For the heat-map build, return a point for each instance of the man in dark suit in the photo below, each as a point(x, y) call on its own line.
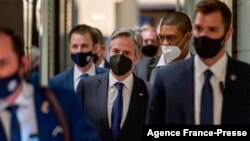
point(210, 88)
point(150, 52)
point(83, 44)
point(174, 34)
point(116, 102)
point(27, 112)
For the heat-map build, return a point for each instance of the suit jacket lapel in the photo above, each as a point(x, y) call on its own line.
point(188, 92)
point(136, 101)
point(102, 96)
point(229, 96)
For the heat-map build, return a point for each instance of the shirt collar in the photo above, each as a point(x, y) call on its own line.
point(102, 64)
point(218, 69)
point(78, 73)
point(128, 82)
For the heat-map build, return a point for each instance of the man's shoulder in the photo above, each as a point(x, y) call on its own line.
point(239, 67)
point(100, 70)
point(176, 67)
point(96, 78)
point(62, 75)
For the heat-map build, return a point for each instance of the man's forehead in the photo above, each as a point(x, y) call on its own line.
point(168, 30)
point(208, 19)
point(5, 41)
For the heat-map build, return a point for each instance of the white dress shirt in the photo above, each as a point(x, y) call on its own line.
point(78, 73)
point(162, 61)
point(219, 74)
point(126, 94)
point(25, 113)
point(102, 64)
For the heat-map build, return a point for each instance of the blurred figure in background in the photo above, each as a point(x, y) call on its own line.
point(99, 56)
point(34, 58)
point(150, 52)
point(151, 43)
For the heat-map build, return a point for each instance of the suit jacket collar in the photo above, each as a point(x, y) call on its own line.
point(188, 92)
point(138, 96)
point(102, 98)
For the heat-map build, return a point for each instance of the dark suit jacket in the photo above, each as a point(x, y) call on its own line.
point(145, 67)
point(65, 79)
point(173, 99)
point(80, 127)
point(94, 92)
point(106, 64)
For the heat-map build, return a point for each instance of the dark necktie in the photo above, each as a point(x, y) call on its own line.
point(117, 111)
point(206, 115)
point(15, 134)
point(85, 75)
point(2, 132)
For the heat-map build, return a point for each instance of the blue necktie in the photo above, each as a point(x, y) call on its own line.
point(206, 115)
point(117, 111)
point(2, 132)
point(85, 75)
point(15, 133)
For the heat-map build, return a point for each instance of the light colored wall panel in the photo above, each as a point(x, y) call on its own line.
point(243, 31)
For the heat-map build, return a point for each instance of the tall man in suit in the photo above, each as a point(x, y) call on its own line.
point(82, 46)
point(174, 35)
point(116, 102)
point(26, 112)
point(210, 88)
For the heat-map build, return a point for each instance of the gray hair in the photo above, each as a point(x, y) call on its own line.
point(129, 33)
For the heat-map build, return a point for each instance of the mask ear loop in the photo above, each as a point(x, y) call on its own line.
point(185, 45)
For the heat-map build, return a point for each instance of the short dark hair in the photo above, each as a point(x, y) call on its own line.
point(210, 6)
point(83, 28)
point(180, 19)
point(17, 41)
point(100, 38)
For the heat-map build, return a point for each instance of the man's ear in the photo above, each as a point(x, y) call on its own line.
point(95, 48)
point(229, 33)
point(24, 66)
point(136, 59)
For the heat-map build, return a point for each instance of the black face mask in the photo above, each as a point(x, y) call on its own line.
point(95, 58)
point(9, 85)
point(207, 47)
point(149, 50)
point(120, 64)
point(82, 59)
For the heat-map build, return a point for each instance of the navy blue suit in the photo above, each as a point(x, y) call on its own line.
point(65, 79)
point(47, 122)
point(172, 101)
point(94, 92)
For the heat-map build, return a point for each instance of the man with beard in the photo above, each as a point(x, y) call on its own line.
point(209, 88)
